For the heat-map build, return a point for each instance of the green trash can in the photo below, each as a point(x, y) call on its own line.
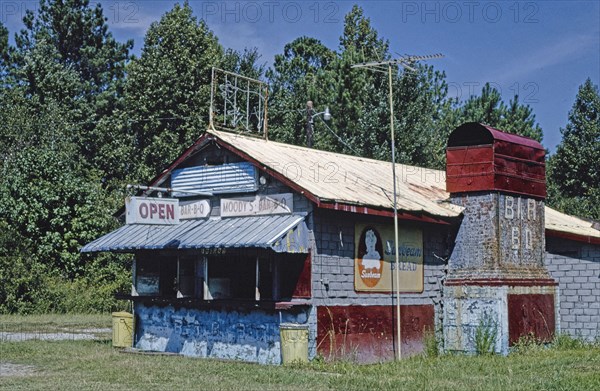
point(294, 342)
point(122, 329)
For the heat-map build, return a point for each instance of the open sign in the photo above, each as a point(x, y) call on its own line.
point(144, 210)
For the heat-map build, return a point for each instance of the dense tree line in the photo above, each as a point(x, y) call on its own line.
point(80, 117)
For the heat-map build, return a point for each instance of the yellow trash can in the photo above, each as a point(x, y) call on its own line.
point(122, 329)
point(294, 342)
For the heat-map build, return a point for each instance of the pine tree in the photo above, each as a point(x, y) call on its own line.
point(168, 89)
point(574, 170)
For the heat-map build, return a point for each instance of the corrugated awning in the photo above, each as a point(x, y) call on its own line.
point(281, 233)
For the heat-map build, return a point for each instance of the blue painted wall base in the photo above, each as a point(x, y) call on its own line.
point(235, 334)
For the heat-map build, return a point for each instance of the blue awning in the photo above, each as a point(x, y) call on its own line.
point(281, 233)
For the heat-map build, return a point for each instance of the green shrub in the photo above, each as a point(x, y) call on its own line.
point(527, 344)
point(29, 287)
point(485, 335)
point(23, 289)
point(432, 342)
point(564, 341)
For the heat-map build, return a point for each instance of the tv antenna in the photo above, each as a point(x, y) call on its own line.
point(406, 62)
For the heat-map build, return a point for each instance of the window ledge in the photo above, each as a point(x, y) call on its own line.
point(224, 303)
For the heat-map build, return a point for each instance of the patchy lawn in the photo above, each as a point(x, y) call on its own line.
point(91, 365)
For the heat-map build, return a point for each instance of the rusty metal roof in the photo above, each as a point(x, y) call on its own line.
point(481, 158)
point(281, 233)
point(336, 178)
point(573, 227)
point(365, 182)
point(475, 133)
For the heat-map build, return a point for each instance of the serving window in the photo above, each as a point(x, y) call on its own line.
point(252, 276)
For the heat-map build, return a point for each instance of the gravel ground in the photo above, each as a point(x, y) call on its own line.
point(9, 369)
point(76, 335)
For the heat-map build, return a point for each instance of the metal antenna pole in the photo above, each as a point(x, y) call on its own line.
point(380, 67)
point(396, 255)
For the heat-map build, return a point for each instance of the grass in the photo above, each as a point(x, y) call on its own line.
point(53, 322)
point(95, 365)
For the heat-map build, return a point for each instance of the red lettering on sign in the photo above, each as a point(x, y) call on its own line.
point(170, 211)
point(161, 211)
point(143, 210)
point(153, 210)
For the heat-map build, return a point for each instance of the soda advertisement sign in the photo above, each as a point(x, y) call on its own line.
point(374, 263)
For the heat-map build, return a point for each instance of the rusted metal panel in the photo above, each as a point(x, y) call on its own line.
point(531, 315)
point(303, 286)
point(481, 158)
point(366, 333)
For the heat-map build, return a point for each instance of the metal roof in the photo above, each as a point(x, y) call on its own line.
point(475, 133)
point(337, 178)
point(557, 222)
point(364, 182)
point(281, 233)
point(481, 158)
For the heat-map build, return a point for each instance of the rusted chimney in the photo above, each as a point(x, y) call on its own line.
point(496, 272)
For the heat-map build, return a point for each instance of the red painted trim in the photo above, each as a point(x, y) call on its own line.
point(378, 212)
point(303, 289)
point(572, 236)
point(502, 282)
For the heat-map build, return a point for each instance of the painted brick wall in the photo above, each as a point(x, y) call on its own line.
point(237, 334)
point(576, 266)
point(333, 263)
point(501, 236)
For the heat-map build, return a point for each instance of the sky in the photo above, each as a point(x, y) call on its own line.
point(541, 50)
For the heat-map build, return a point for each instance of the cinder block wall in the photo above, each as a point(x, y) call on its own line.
point(576, 267)
point(333, 263)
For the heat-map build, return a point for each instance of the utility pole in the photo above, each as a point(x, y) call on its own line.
point(309, 123)
point(386, 67)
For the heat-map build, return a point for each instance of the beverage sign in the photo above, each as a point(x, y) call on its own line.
point(375, 261)
point(145, 210)
point(194, 210)
point(257, 205)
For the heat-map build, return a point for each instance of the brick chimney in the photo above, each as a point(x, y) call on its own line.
point(496, 273)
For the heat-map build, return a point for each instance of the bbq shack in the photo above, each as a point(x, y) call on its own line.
point(253, 235)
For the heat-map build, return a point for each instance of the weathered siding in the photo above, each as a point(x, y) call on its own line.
point(496, 274)
point(224, 333)
point(501, 236)
point(338, 303)
point(576, 267)
point(472, 307)
point(333, 262)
